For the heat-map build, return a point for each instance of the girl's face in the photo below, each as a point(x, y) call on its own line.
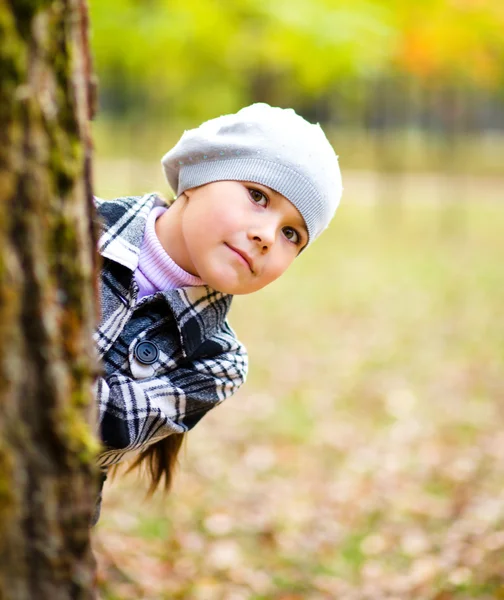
point(236, 236)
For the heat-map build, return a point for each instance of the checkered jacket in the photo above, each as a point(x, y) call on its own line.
point(200, 362)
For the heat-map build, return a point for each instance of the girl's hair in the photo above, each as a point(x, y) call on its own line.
point(160, 460)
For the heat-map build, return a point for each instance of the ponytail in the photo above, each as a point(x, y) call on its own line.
point(160, 460)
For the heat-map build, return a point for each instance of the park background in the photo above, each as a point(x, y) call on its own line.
point(364, 459)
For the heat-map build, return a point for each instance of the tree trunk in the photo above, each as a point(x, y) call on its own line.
point(47, 306)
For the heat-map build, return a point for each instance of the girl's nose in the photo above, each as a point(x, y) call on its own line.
point(264, 237)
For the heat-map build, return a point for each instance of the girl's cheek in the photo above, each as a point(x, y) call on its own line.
point(276, 270)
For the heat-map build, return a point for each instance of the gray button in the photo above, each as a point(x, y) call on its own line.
point(146, 352)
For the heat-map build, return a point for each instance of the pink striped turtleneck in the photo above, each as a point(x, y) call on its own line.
point(156, 271)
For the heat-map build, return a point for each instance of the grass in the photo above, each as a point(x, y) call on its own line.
point(363, 459)
point(395, 150)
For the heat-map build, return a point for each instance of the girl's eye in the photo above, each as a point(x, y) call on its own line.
point(258, 197)
point(292, 235)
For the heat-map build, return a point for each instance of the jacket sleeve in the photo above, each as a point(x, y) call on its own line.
point(139, 412)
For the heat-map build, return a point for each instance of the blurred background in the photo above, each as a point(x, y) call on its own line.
point(365, 456)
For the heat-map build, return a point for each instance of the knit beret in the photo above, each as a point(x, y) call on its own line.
point(263, 144)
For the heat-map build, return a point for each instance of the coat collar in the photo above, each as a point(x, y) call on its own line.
point(199, 311)
point(123, 224)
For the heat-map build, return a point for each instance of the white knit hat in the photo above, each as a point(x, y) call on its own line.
point(267, 145)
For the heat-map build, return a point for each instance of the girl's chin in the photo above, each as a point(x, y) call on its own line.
point(223, 280)
point(227, 287)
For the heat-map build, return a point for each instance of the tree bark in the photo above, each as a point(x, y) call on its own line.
point(47, 302)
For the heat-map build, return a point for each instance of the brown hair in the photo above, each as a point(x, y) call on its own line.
point(160, 460)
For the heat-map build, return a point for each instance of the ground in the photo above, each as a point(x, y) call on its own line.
point(364, 457)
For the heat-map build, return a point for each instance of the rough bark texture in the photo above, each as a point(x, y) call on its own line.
point(47, 480)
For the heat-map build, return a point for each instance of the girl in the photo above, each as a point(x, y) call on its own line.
point(254, 189)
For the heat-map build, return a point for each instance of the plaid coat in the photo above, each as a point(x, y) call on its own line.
point(190, 360)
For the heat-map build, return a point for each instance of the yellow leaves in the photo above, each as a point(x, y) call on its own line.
point(224, 554)
point(462, 39)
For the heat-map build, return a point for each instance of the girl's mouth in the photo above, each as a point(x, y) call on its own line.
point(243, 257)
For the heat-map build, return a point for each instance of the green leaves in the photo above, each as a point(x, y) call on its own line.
point(195, 58)
point(201, 56)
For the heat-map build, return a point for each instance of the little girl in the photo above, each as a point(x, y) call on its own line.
point(254, 189)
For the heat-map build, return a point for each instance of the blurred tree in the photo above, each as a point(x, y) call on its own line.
point(47, 487)
point(223, 55)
